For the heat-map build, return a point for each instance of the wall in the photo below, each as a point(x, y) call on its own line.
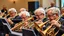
point(57, 3)
point(23, 3)
point(46, 3)
point(9, 4)
point(32, 0)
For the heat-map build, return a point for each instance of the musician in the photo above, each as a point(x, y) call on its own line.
point(52, 4)
point(62, 12)
point(12, 18)
point(12, 14)
point(24, 16)
point(39, 15)
point(4, 11)
point(22, 9)
point(18, 16)
point(53, 15)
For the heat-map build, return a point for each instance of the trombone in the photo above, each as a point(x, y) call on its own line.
point(20, 24)
point(45, 32)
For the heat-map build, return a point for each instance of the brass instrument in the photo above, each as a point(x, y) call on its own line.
point(38, 27)
point(2, 14)
point(20, 24)
point(6, 15)
point(41, 25)
point(63, 35)
point(49, 31)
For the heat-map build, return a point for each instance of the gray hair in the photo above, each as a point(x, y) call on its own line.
point(54, 10)
point(27, 13)
point(12, 9)
point(41, 10)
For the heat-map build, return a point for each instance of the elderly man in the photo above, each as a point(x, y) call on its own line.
point(18, 16)
point(12, 12)
point(12, 18)
point(40, 18)
point(53, 15)
point(4, 10)
point(62, 12)
point(39, 14)
point(11, 15)
point(24, 16)
point(23, 9)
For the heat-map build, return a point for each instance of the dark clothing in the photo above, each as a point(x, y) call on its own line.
point(61, 29)
point(62, 17)
point(15, 20)
point(37, 32)
point(3, 29)
point(4, 10)
point(8, 16)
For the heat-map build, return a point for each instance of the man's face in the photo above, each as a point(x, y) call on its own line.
point(62, 11)
point(50, 15)
point(23, 15)
point(39, 15)
point(12, 14)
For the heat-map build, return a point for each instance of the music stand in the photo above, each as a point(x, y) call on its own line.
point(1, 27)
point(28, 32)
point(6, 26)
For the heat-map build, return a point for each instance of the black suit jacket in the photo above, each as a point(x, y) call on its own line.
point(61, 29)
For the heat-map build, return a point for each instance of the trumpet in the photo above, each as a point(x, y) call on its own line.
point(20, 24)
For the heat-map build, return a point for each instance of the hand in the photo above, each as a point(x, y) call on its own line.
point(39, 22)
point(9, 21)
point(26, 24)
point(54, 22)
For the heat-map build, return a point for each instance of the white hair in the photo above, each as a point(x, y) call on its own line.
point(40, 9)
point(25, 12)
point(54, 10)
point(12, 9)
point(22, 9)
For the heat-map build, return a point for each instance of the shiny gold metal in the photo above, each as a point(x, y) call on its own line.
point(49, 31)
point(20, 24)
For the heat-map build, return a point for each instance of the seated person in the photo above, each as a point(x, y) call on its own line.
point(40, 15)
point(25, 19)
point(53, 15)
point(12, 17)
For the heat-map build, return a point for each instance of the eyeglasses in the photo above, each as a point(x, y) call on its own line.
point(40, 15)
point(52, 14)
